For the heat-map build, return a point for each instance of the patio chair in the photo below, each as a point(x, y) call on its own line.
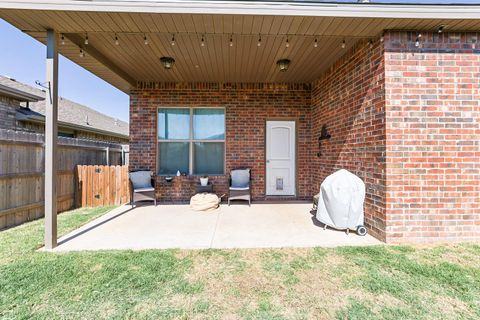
point(142, 187)
point(239, 185)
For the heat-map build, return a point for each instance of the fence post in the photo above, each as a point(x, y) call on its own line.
point(107, 153)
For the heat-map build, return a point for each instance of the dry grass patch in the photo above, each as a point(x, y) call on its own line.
point(379, 282)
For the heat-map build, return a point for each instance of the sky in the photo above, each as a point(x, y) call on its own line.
point(24, 61)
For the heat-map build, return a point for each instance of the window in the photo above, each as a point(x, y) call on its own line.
point(191, 140)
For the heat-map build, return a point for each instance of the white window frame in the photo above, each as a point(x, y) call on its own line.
point(191, 140)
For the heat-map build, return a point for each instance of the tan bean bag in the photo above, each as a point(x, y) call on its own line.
point(204, 202)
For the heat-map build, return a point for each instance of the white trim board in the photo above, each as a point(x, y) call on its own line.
point(367, 10)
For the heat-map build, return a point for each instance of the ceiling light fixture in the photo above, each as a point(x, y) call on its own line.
point(63, 39)
point(86, 39)
point(259, 43)
point(283, 64)
point(315, 43)
point(82, 54)
point(116, 40)
point(173, 40)
point(287, 44)
point(203, 41)
point(343, 44)
point(417, 40)
point(145, 40)
point(167, 62)
point(441, 28)
point(231, 41)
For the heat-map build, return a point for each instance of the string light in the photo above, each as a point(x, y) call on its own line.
point(287, 43)
point(63, 39)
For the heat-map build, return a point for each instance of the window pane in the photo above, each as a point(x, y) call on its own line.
point(173, 123)
point(209, 124)
point(208, 157)
point(172, 156)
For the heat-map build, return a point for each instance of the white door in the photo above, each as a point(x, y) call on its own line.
point(280, 158)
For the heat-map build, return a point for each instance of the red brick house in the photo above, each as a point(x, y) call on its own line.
point(395, 86)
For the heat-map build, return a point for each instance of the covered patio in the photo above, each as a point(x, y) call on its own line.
point(263, 225)
point(292, 90)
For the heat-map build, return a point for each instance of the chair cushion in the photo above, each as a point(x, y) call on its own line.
point(144, 189)
point(240, 178)
point(141, 179)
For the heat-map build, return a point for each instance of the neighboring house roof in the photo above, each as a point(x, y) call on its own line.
point(70, 114)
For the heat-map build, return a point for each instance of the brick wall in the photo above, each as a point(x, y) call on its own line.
point(404, 119)
point(433, 137)
point(7, 112)
point(349, 100)
point(248, 106)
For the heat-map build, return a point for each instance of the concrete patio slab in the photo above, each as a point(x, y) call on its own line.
point(237, 226)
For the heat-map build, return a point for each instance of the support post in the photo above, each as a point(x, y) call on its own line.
point(51, 117)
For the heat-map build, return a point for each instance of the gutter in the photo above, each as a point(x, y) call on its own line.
point(19, 94)
point(306, 9)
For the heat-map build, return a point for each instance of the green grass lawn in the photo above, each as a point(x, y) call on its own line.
point(381, 282)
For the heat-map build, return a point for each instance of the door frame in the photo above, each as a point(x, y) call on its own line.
point(295, 195)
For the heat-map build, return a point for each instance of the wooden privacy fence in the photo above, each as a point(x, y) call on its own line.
point(102, 186)
point(22, 172)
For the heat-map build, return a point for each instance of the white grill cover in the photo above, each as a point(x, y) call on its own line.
point(340, 204)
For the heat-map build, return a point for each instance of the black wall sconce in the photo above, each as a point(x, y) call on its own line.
point(323, 136)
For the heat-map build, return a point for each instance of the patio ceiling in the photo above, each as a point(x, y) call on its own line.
point(131, 60)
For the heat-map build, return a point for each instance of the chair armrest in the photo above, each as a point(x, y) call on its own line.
point(131, 189)
point(154, 182)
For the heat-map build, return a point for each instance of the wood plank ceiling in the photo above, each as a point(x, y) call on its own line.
point(216, 61)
